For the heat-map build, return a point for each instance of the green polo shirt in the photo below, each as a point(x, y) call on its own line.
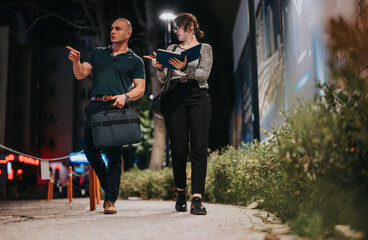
point(114, 75)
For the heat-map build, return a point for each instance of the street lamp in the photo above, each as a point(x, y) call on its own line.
point(167, 17)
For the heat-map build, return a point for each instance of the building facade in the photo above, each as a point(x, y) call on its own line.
point(292, 57)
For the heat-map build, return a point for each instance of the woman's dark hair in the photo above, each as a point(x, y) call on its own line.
point(185, 19)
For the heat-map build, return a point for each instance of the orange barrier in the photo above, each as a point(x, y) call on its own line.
point(70, 185)
point(50, 190)
point(67, 188)
point(98, 190)
point(92, 188)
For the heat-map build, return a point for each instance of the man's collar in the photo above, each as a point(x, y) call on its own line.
point(109, 47)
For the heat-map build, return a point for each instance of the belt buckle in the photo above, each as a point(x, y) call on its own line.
point(183, 80)
point(103, 99)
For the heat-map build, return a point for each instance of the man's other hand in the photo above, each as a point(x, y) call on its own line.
point(120, 101)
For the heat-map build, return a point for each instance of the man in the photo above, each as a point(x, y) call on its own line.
point(114, 69)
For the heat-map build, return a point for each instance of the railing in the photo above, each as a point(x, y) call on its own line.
point(94, 184)
point(94, 187)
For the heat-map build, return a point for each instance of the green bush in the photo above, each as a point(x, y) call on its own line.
point(312, 171)
point(327, 156)
point(148, 184)
point(241, 176)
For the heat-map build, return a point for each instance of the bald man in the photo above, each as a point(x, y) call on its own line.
point(116, 68)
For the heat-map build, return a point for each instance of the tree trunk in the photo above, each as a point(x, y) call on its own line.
point(158, 148)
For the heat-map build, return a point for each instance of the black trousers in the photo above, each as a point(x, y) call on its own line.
point(187, 113)
point(109, 175)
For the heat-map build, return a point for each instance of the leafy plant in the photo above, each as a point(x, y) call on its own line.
point(148, 184)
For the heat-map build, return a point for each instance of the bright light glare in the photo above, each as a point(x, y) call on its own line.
point(167, 16)
point(81, 158)
point(9, 167)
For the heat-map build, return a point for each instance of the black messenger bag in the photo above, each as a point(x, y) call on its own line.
point(112, 128)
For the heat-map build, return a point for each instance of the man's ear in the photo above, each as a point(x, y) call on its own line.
point(128, 34)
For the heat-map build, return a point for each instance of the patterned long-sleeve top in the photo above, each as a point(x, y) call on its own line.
point(199, 69)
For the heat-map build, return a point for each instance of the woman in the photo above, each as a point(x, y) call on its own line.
point(187, 111)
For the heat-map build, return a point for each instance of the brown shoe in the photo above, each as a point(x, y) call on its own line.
point(109, 207)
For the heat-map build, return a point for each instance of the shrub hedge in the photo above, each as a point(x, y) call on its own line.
point(312, 171)
point(147, 184)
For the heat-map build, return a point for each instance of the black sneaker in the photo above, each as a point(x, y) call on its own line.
point(181, 202)
point(196, 207)
point(181, 207)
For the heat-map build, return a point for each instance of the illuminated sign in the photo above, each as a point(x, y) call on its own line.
point(28, 160)
point(20, 158)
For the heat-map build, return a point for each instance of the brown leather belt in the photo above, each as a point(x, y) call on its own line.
point(103, 98)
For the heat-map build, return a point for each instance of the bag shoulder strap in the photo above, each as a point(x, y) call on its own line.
point(166, 85)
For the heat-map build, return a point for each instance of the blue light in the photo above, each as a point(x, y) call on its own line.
point(79, 169)
point(319, 60)
point(9, 167)
point(81, 158)
point(303, 81)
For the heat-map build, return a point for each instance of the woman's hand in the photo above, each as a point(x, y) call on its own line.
point(181, 65)
point(155, 63)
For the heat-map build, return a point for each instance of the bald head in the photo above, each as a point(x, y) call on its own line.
point(121, 30)
point(125, 22)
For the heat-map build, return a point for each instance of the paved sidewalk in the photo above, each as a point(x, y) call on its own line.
point(57, 219)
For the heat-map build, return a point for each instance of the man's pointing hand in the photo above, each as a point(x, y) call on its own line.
point(74, 55)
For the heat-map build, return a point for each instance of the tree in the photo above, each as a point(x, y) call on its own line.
point(158, 148)
point(85, 16)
